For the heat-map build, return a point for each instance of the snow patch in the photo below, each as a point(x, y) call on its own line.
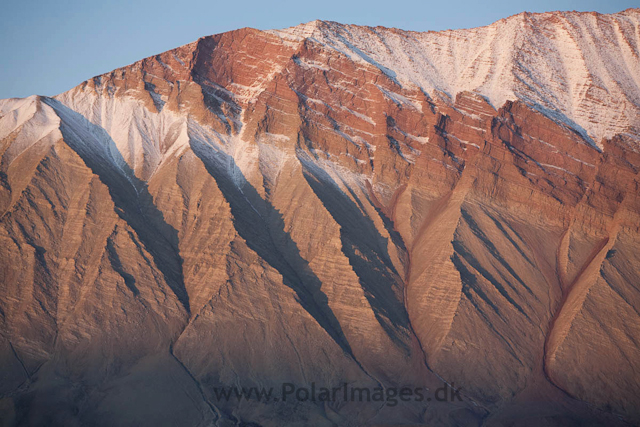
point(567, 64)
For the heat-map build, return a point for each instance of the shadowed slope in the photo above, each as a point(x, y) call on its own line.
point(133, 202)
point(261, 226)
point(365, 248)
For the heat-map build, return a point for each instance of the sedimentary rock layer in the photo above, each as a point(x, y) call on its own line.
point(331, 204)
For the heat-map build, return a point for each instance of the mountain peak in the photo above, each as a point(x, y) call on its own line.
point(304, 30)
point(564, 63)
point(336, 204)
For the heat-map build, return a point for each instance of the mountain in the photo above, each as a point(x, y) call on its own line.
point(332, 206)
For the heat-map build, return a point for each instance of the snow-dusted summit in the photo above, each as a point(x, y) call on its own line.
point(580, 68)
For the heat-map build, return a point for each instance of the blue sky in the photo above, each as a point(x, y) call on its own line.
point(50, 46)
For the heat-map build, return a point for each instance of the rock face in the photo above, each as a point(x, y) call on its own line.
point(331, 204)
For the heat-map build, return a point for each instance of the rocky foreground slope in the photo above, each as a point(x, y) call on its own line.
point(331, 204)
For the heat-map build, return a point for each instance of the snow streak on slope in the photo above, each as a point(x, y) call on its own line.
point(142, 137)
point(579, 68)
point(30, 122)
